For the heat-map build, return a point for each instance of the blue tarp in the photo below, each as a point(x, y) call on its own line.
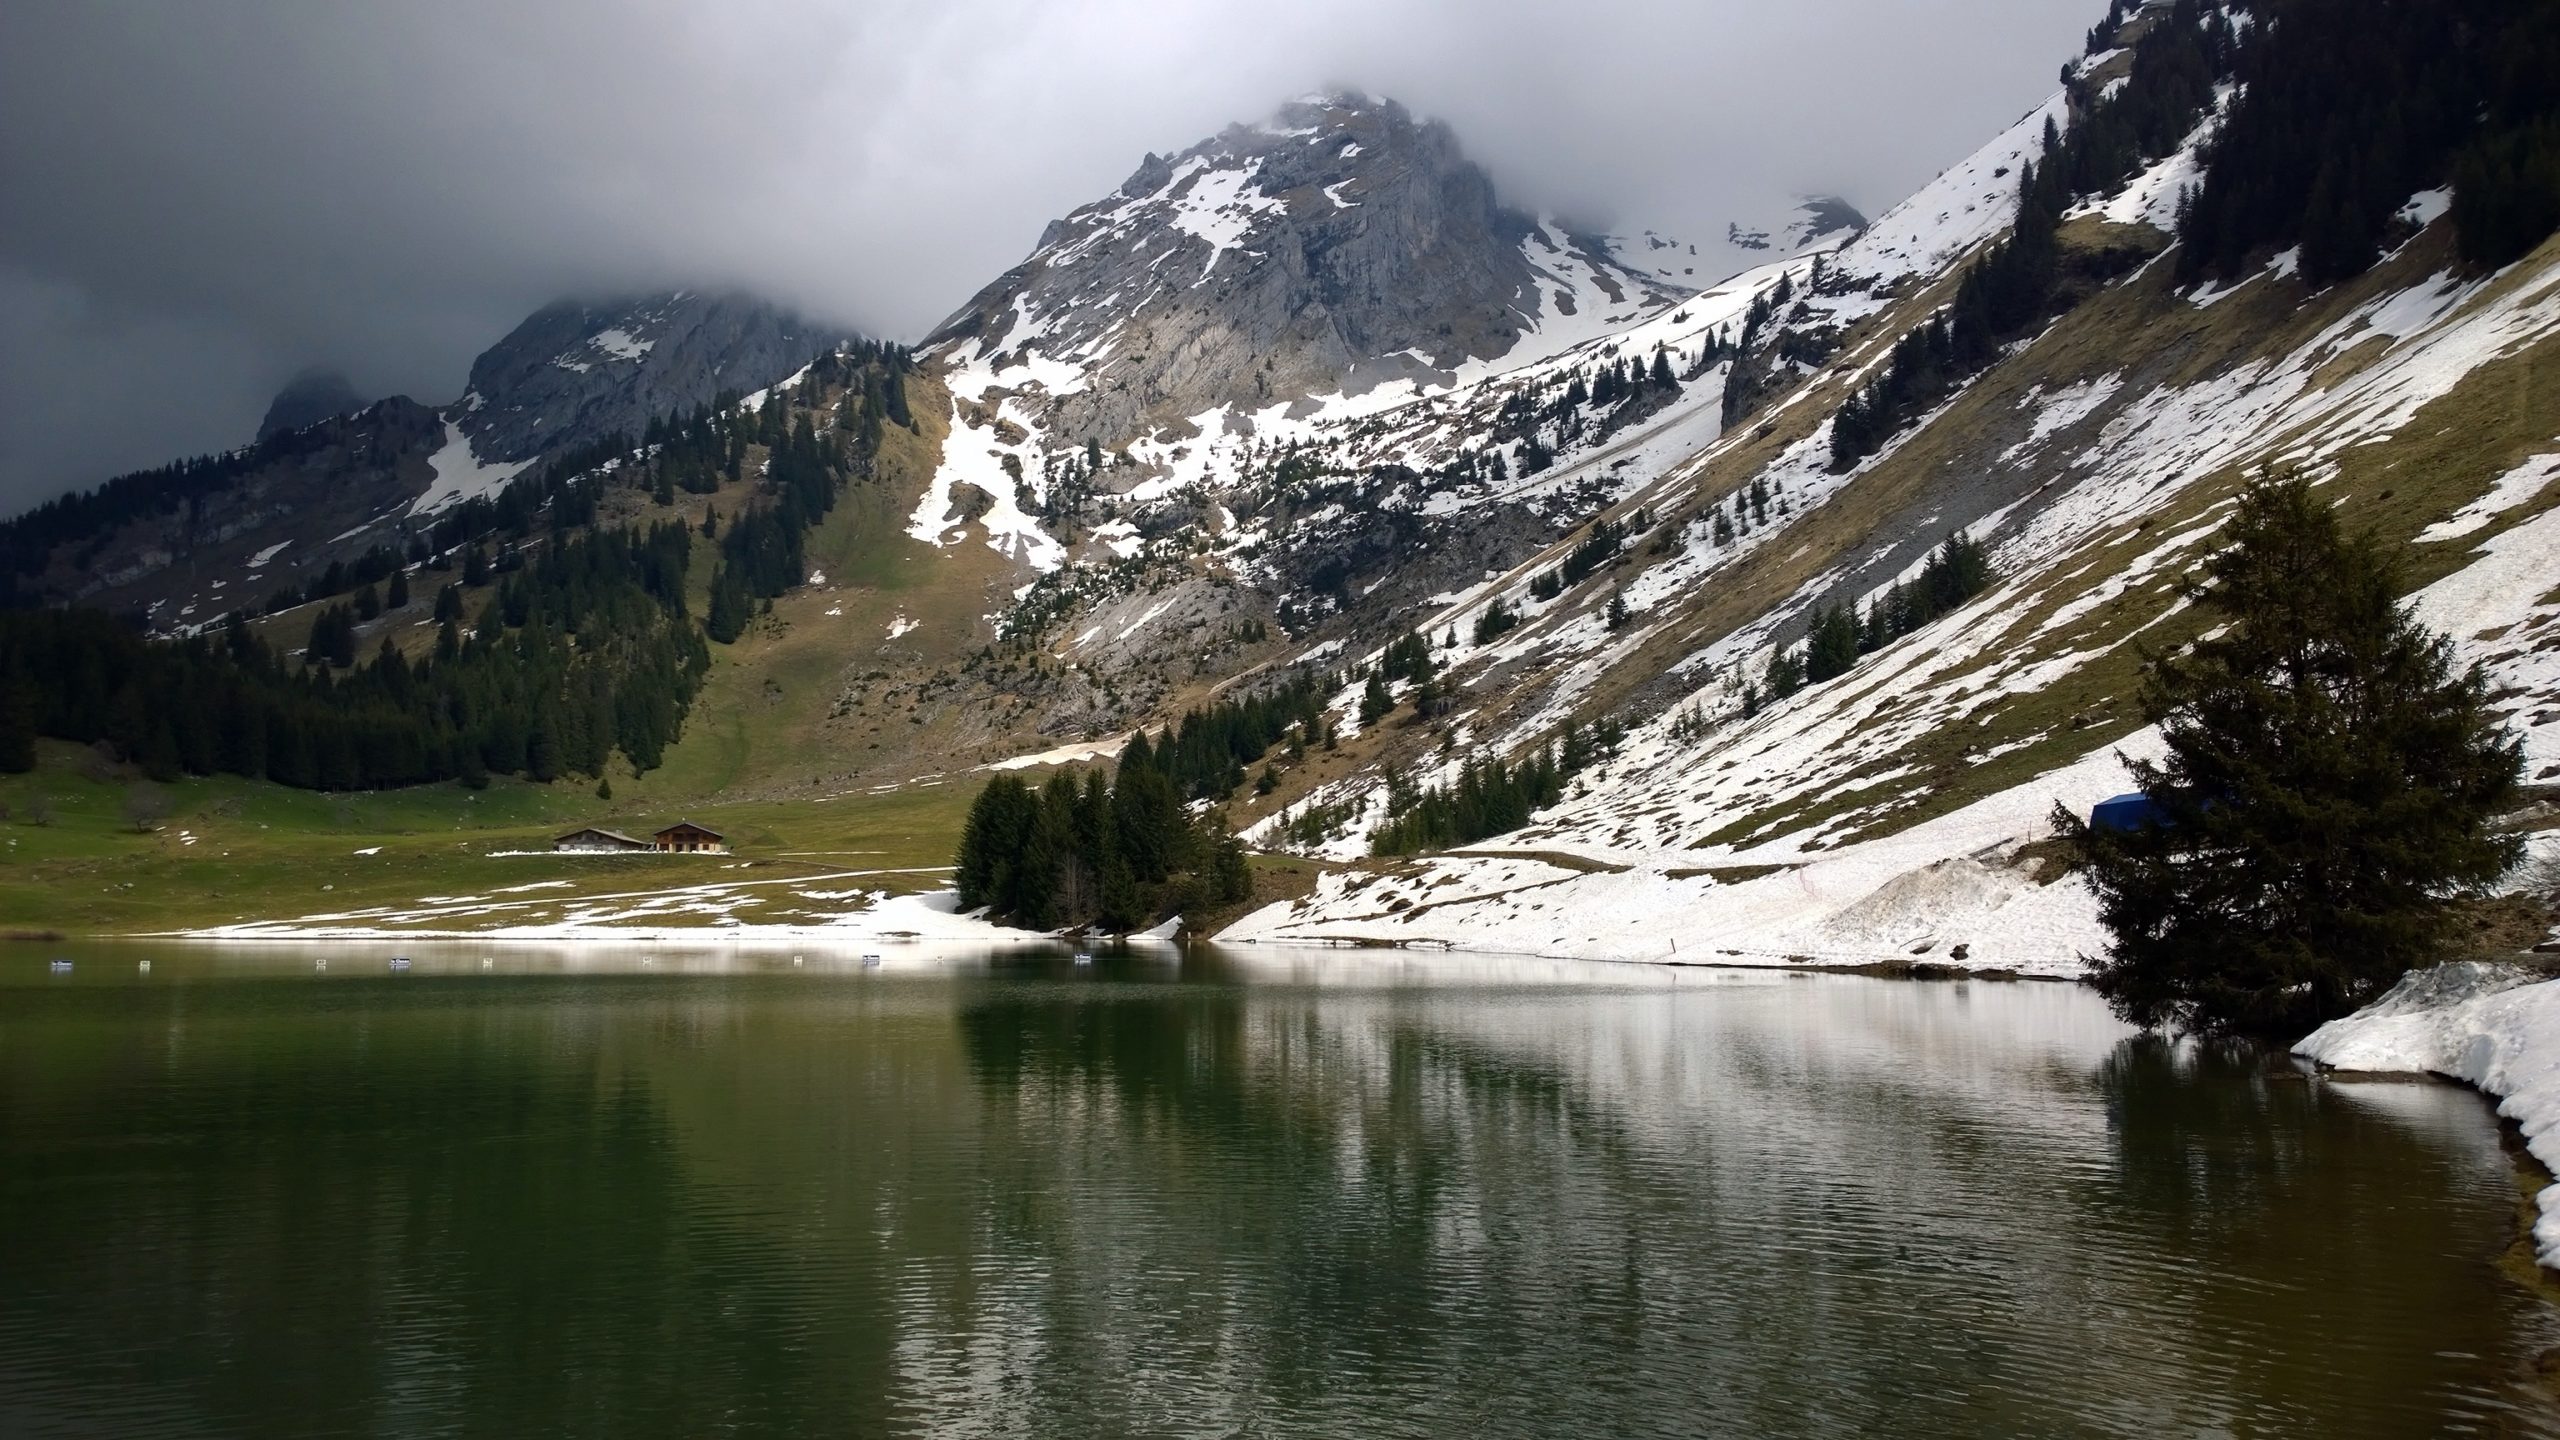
point(2126, 812)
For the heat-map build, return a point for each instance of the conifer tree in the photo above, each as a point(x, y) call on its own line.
point(2327, 792)
point(1832, 647)
point(1375, 700)
point(1785, 674)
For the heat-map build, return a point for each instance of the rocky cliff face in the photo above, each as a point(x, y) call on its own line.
point(576, 372)
point(331, 477)
point(1338, 246)
point(267, 516)
point(307, 399)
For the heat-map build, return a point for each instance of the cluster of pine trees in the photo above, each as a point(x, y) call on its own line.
point(1597, 550)
point(1490, 796)
point(1407, 658)
point(2352, 106)
point(1117, 852)
point(1746, 383)
point(1750, 507)
point(598, 659)
point(1620, 389)
point(1619, 381)
point(371, 568)
point(29, 541)
point(1839, 636)
point(1205, 753)
point(1318, 821)
point(695, 453)
point(761, 550)
point(2010, 289)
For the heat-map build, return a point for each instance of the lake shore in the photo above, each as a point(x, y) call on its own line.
point(2490, 1025)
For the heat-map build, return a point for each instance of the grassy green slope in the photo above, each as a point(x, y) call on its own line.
point(762, 758)
point(230, 850)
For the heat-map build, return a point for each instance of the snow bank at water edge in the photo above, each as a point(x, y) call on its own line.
point(2493, 1026)
point(1956, 880)
point(722, 913)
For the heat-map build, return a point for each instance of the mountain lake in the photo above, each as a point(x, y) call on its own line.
point(661, 1191)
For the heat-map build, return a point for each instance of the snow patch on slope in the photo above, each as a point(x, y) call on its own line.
point(1965, 205)
point(460, 474)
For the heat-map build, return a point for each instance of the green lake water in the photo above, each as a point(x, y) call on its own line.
point(657, 1194)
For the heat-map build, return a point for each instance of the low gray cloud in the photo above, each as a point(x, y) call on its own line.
point(197, 200)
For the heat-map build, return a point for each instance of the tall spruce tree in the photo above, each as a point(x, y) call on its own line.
point(1375, 700)
point(2327, 792)
point(1832, 647)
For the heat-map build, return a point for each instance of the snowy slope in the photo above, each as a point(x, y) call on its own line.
point(1886, 814)
point(1278, 285)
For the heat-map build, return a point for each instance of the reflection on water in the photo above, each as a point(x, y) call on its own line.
point(1260, 1195)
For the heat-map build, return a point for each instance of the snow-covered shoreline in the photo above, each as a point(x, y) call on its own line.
point(881, 917)
point(1920, 894)
point(2493, 1026)
point(931, 917)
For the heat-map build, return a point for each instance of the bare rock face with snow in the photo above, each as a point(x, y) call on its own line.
point(331, 478)
point(1338, 246)
point(279, 509)
point(1814, 222)
point(576, 372)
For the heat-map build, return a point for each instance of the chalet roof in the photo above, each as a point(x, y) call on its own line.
point(689, 825)
point(600, 830)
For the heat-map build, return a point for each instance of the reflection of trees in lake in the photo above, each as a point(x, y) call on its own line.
point(1012, 1205)
point(1368, 1171)
point(2257, 1169)
point(377, 1212)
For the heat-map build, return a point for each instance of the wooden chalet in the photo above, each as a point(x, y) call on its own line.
point(685, 837)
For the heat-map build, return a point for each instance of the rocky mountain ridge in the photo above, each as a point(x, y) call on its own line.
point(331, 479)
point(307, 399)
point(577, 372)
point(1338, 247)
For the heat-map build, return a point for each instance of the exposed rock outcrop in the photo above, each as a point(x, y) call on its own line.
point(1339, 245)
point(576, 372)
point(307, 399)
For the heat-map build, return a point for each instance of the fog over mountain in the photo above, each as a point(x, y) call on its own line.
point(199, 202)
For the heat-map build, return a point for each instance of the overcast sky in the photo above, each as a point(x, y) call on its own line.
point(200, 197)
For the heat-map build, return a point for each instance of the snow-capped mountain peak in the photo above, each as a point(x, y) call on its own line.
point(1336, 246)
